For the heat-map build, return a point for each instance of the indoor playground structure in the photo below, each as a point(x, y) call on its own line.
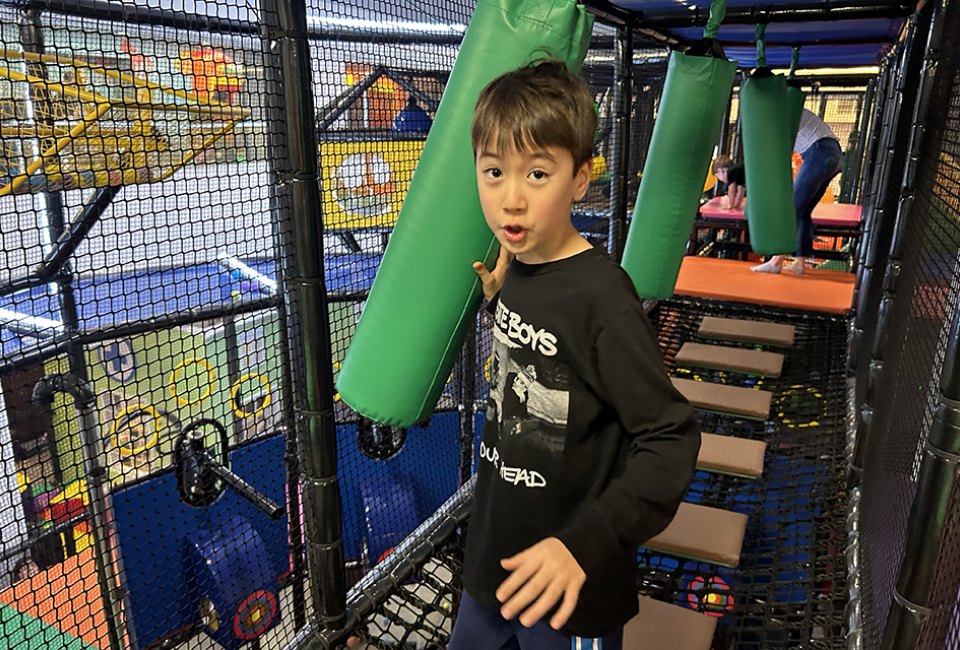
point(244, 366)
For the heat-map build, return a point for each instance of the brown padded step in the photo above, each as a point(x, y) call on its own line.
point(720, 398)
point(704, 534)
point(731, 455)
point(751, 331)
point(724, 357)
point(661, 626)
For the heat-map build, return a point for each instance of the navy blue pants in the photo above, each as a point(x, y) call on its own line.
point(821, 162)
point(481, 628)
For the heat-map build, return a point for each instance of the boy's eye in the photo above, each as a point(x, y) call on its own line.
point(538, 174)
point(493, 172)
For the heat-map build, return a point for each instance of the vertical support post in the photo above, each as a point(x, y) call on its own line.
point(881, 224)
point(893, 258)
point(620, 140)
point(31, 37)
point(286, 43)
point(468, 399)
point(281, 228)
point(931, 509)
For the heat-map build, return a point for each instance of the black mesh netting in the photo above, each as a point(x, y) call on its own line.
point(789, 590)
point(908, 383)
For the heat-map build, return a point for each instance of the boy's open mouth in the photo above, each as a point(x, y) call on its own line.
point(513, 233)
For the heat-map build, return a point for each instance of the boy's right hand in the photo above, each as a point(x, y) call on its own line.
point(491, 281)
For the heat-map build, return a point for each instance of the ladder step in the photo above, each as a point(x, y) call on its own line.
point(749, 331)
point(703, 534)
point(660, 625)
point(731, 455)
point(723, 357)
point(720, 398)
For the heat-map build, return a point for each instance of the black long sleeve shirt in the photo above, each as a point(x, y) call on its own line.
point(585, 439)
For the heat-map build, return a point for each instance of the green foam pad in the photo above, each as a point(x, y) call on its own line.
point(426, 293)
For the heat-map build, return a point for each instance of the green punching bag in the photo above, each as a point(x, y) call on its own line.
point(426, 292)
point(765, 122)
point(695, 95)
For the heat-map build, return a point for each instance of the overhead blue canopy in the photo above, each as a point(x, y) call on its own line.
point(834, 33)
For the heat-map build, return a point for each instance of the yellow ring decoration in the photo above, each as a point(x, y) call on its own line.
point(236, 389)
point(211, 374)
point(150, 443)
point(337, 365)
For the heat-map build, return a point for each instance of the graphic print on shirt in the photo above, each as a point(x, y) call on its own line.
point(529, 397)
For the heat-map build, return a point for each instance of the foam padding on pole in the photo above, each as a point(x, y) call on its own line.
point(695, 95)
point(426, 292)
point(767, 146)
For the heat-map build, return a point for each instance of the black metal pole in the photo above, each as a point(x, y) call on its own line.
point(66, 242)
point(920, 79)
point(31, 36)
point(881, 220)
point(622, 104)
point(468, 399)
point(285, 33)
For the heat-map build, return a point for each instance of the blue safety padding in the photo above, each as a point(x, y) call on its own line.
point(821, 41)
point(877, 30)
point(109, 300)
point(152, 524)
point(426, 465)
point(811, 55)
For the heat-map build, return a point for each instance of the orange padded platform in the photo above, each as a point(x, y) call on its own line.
point(731, 455)
point(724, 357)
point(704, 534)
point(66, 596)
point(731, 280)
point(661, 626)
point(748, 331)
point(720, 398)
point(834, 215)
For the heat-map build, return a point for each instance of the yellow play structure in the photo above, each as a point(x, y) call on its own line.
point(91, 126)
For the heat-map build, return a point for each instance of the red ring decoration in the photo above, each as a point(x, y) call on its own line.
point(262, 602)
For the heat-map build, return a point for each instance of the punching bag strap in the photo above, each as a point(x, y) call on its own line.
point(794, 61)
point(760, 30)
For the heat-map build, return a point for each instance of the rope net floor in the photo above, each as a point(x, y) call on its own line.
point(789, 589)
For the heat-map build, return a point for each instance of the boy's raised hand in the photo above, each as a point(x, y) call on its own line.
point(491, 281)
point(540, 577)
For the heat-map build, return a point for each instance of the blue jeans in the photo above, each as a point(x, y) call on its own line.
point(821, 162)
point(479, 627)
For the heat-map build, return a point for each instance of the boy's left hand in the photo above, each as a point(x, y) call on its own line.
point(539, 577)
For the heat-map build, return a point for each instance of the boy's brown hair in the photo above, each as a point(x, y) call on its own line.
point(542, 104)
point(721, 162)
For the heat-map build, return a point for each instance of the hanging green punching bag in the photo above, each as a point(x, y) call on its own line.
point(695, 95)
point(426, 292)
point(767, 149)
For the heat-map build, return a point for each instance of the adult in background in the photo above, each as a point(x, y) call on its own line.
point(819, 148)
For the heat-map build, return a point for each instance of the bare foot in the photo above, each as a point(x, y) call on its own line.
point(798, 266)
point(770, 266)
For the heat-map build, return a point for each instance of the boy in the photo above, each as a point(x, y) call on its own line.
point(587, 448)
point(735, 179)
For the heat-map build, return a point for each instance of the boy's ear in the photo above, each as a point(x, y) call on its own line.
point(581, 180)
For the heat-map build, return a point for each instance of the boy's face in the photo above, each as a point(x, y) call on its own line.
point(526, 198)
point(722, 174)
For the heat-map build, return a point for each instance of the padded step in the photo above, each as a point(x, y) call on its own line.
point(703, 534)
point(750, 331)
point(661, 626)
point(720, 398)
point(724, 357)
point(731, 455)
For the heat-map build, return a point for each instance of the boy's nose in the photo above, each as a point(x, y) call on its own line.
point(513, 199)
